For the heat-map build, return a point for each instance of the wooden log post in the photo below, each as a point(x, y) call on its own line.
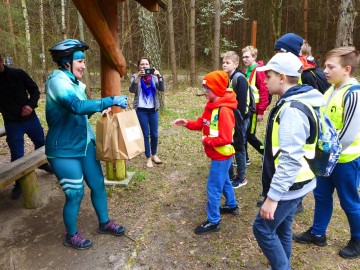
point(110, 81)
point(30, 188)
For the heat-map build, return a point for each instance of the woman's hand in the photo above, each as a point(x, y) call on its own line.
point(157, 73)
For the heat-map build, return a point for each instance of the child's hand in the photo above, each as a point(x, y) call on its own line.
point(268, 209)
point(180, 122)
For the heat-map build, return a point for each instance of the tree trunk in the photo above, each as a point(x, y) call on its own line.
point(63, 21)
point(276, 18)
point(306, 7)
point(172, 45)
point(27, 34)
point(345, 26)
point(217, 25)
point(11, 27)
point(150, 42)
point(43, 54)
point(192, 44)
point(82, 37)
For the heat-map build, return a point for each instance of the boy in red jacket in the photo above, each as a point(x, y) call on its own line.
point(217, 134)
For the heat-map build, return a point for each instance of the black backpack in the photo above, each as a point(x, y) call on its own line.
point(251, 105)
point(320, 78)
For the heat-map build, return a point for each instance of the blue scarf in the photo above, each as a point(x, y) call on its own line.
point(148, 87)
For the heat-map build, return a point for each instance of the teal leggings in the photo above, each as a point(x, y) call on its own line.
point(71, 173)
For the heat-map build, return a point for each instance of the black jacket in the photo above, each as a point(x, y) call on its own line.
point(17, 89)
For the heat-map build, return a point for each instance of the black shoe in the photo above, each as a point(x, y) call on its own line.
point(16, 192)
point(46, 167)
point(299, 208)
point(207, 227)
point(352, 250)
point(225, 209)
point(309, 238)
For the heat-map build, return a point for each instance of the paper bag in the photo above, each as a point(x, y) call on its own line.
point(130, 136)
point(106, 137)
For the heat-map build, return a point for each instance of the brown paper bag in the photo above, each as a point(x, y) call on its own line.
point(106, 137)
point(130, 136)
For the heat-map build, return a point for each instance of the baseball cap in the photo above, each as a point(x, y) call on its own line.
point(284, 63)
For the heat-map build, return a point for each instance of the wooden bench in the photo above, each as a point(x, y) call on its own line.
point(2, 131)
point(23, 169)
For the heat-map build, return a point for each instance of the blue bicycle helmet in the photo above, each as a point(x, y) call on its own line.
point(66, 48)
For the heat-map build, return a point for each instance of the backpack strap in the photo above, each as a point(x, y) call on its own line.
point(312, 121)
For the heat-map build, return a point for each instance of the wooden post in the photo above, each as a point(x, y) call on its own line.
point(253, 33)
point(110, 80)
point(30, 188)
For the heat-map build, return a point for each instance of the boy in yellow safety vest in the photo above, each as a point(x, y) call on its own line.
point(286, 176)
point(343, 108)
point(217, 135)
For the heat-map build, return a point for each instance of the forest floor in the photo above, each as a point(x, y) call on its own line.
point(159, 208)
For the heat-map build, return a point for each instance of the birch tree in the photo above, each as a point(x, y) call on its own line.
point(63, 21)
point(42, 55)
point(345, 26)
point(27, 34)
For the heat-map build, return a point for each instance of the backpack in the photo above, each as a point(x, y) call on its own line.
point(328, 147)
point(252, 105)
point(239, 131)
point(320, 78)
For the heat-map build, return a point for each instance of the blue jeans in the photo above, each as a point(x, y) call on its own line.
point(345, 178)
point(219, 183)
point(240, 155)
point(149, 122)
point(15, 135)
point(275, 236)
point(71, 173)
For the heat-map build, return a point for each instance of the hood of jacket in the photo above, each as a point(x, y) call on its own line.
point(227, 100)
point(304, 93)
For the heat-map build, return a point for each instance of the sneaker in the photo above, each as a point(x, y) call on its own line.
point(352, 250)
point(239, 183)
point(111, 228)
point(225, 209)
point(232, 179)
point(309, 238)
point(248, 162)
point(17, 191)
point(299, 208)
point(77, 241)
point(207, 227)
point(46, 167)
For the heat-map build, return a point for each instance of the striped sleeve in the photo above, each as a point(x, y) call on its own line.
point(351, 127)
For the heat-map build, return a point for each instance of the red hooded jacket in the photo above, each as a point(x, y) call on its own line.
point(226, 124)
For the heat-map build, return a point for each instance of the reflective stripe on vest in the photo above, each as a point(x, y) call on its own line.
point(252, 81)
point(305, 172)
point(335, 111)
point(226, 150)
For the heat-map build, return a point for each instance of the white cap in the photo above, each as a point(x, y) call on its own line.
point(284, 63)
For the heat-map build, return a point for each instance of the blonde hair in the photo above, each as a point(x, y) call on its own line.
point(250, 49)
point(349, 56)
point(231, 55)
point(305, 49)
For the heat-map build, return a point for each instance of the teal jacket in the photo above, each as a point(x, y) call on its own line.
point(67, 111)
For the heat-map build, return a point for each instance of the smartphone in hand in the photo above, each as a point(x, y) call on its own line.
point(149, 71)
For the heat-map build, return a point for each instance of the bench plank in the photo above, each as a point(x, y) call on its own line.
point(15, 170)
point(2, 131)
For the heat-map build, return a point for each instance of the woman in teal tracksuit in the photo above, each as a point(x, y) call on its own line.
point(70, 142)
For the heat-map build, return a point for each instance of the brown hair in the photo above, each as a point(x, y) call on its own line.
point(250, 49)
point(142, 58)
point(349, 56)
point(305, 49)
point(232, 55)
